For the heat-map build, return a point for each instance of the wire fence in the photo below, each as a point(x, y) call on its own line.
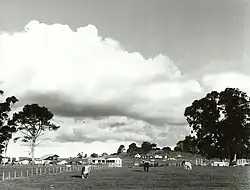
point(12, 173)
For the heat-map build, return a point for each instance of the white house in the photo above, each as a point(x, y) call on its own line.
point(137, 156)
point(158, 156)
point(220, 164)
point(24, 162)
point(114, 162)
point(241, 162)
point(99, 160)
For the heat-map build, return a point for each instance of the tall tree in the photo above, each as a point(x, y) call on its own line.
point(133, 149)
point(146, 147)
point(33, 121)
point(220, 122)
point(6, 127)
point(121, 149)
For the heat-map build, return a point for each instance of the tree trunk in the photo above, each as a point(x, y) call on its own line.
point(33, 152)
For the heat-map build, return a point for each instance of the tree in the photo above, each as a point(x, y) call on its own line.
point(94, 155)
point(6, 127)
point(154, 146)
point(104, 154)
point(166, 149)
point(80, 155)
point(33, 121)
point(220, 122)
point(120, 149)
point(133, 149)
point(146, 147)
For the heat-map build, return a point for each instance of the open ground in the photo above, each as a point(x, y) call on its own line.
point(134, 178)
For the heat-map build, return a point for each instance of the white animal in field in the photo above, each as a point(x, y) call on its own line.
point(187, 165)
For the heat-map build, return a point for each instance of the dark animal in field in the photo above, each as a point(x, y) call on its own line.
point(146, 166)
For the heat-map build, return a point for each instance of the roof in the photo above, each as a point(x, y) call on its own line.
point(114, 158)
point(47, 156)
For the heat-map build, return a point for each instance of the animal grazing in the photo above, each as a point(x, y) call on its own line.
point(146, 166)
point(85, 171)
point(187, 165)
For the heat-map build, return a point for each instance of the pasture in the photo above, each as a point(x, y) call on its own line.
point(134, 178)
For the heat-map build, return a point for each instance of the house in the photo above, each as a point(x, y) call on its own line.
point(158, 156)
point(114, 162)
point(137, 156)
point(98, 160)
point(241, 162)
point(220, 163)
point(49, 158)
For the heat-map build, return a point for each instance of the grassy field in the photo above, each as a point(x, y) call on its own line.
point(134, 178)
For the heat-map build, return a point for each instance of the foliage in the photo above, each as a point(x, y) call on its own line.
point(145, 148)
point(220, 122)
point(33, 121)
point(6, 128)
point(120, 149)
point(94, 155)
point(166, 149)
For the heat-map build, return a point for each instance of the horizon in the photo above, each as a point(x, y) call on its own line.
point(114, 73)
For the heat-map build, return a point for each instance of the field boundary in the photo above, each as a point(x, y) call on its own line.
point(22, 172)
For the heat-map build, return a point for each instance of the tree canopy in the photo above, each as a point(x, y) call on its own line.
point(120, 149)
point(220, 122)
point(6, 127)
point(33, 121)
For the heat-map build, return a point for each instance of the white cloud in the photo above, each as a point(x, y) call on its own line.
point(80, 74)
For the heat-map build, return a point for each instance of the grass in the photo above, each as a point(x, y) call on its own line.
point(134, 178)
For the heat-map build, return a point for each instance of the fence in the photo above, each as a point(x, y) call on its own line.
point(11, 173)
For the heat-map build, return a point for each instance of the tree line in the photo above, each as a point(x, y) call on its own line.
point(33, 121)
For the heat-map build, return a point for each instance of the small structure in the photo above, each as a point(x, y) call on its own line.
point(114, 162)
point(158, 156)
point(24, 162)
point(241, 162)
point(137, 156)
point(63, 162)
point(220, 164)
point(49, 158)
point(98, 160)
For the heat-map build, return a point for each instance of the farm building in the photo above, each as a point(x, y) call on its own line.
point(241, 162)
point(98, 160)
point(220, 164)
point(47, 159)
point(114, 162)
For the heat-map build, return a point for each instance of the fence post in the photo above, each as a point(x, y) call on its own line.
point(9, 175)
point(15, 174)
point(36, 171)
point(40, 171)
point(53, 170)
point(3, 176)
point(45, 171)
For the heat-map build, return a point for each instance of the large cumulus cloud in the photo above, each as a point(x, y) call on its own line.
point(80, 75)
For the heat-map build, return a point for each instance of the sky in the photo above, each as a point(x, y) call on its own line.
point(115, 72)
